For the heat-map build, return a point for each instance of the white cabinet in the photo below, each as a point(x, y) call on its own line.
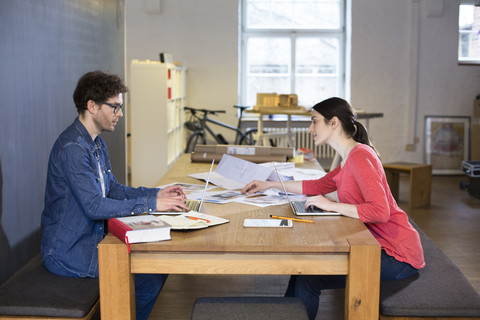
point(157, 98)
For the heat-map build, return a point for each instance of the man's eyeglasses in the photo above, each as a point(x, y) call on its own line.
point(115, 107)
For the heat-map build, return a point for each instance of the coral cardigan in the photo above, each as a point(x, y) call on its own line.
point(362, 182)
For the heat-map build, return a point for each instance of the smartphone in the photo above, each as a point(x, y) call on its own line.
point(268, 223)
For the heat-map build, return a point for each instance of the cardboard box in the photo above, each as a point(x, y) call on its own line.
point(475, 143)
point(257, 154)
point(267, 99)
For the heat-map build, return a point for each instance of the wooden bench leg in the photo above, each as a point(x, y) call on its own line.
point(420, 186)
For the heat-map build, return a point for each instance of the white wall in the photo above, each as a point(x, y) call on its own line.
point(200, 34)
point(204, 36)
point(381, 78)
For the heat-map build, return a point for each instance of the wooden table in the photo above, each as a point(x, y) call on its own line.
point(332, 245)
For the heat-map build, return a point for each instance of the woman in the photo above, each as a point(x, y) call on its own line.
point(363, 194)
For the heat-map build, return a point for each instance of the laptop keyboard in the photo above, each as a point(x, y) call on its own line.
point(193, 205)
point(299, 206)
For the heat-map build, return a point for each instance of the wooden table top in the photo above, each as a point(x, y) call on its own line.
point(325, 235)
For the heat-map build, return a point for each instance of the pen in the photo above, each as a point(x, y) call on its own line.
point(195, 218)
point(293, 219)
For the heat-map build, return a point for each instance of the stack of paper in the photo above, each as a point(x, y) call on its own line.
point(192, 220)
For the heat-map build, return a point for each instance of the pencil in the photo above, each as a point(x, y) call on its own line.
point(293, 219)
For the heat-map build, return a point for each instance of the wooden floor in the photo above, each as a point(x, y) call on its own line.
point(452, 221)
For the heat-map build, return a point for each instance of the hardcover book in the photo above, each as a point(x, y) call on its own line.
point(141, 228)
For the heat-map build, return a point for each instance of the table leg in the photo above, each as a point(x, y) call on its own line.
point(363, 281)
point(259, 136)
point(117, 290)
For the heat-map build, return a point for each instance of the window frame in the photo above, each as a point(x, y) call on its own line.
point(293, 34)
point(463, 60)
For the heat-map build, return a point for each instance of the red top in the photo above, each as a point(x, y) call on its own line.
point(362, 182)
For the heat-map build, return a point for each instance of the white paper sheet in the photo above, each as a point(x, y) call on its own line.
point(234, 173)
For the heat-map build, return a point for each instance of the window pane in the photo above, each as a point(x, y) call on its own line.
point(469, 34)
point(316, 69)
point(293, 14)
point(268, 66)
point(317, 55)
point(311, 90)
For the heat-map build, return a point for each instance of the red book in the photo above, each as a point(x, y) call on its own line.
point(141, 228)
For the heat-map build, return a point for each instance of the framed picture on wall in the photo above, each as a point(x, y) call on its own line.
point(447, 141)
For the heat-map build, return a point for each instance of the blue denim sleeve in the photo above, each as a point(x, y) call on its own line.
point(81, 172)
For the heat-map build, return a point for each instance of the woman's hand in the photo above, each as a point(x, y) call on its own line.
point(171, 191)
point(320, 202)
point(256, 186)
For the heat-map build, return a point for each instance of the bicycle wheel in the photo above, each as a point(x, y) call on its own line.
point(192, 141)
point(247, 138)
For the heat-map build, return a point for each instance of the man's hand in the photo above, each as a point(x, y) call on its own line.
point(171, 191)
point(175, 203)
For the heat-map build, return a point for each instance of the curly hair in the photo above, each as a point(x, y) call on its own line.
point(97, 86)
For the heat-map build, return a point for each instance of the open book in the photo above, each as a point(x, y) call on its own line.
point(192, 220)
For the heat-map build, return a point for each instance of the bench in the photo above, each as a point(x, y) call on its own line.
point(439, 291)
point(420, 181)
point(35, 293)
point(242, 308)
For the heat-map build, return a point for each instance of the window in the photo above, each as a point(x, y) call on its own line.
point(469, 34)
point(292, 46)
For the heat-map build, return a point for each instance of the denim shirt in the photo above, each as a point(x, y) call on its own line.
point(73, 220)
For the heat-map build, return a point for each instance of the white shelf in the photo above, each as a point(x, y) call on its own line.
point(157, 98)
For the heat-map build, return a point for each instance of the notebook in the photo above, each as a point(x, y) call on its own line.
point(298, 207)
point(193, 205)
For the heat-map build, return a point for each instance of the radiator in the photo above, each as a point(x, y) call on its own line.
point(303, 139)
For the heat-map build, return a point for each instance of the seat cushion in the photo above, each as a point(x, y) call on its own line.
point(237, 308)
point(34, 291)
point(439, 290)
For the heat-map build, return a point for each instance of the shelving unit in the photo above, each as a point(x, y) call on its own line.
point(157, 98)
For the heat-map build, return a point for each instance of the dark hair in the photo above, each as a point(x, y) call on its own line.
point(337, 107)
point(97, 86)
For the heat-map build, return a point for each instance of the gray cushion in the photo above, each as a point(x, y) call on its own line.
point(34, 291)
point(249, 308)
point(439, 290)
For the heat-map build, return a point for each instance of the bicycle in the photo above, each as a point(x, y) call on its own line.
point(198, 124)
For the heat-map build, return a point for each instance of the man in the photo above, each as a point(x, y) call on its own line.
point(82, 193)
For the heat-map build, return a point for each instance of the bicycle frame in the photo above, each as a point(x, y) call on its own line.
point(199, 134)
point(239, 133)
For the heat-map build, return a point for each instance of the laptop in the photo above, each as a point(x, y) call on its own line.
point(192, 205)
point(298, 207)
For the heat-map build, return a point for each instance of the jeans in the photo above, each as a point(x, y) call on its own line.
point(308, 288)
point(147, 289)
